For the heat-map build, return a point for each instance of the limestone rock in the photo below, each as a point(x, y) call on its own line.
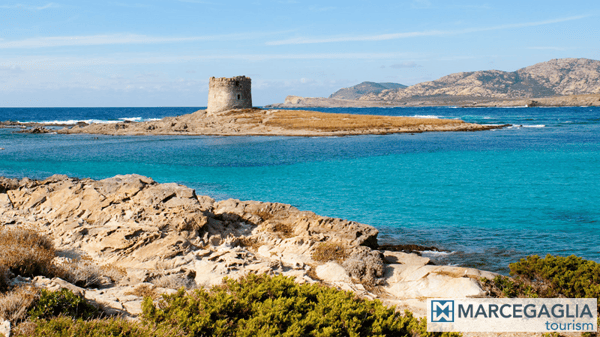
point(333, 273)
point(164, 236)
point(556, 77)
point(4, 328)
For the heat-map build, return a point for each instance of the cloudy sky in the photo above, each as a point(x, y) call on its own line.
point(162, 52)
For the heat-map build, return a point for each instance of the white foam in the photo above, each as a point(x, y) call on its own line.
point(426, 116)
point(131, 119)
point(73, 122)
point(97, 121)
point(526, 126)
point(435, 253)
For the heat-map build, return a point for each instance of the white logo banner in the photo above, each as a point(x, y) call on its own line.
point(512, 315)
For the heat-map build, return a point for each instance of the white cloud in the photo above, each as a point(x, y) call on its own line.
point(547, 48)
point(393, 36)
point(10, 70)
point(409, 64)
point(91, 40)
point(30, 7)
point(45, 63)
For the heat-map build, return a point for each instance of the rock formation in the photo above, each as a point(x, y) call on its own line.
point(153, 233)
point(560, 82)
point(355, 92)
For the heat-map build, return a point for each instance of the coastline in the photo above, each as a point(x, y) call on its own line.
point(152, 230)
point(442, 100)
point(258, 122)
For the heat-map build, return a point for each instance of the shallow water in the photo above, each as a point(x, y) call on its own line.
point(488, 197)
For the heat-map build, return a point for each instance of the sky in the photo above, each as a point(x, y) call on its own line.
point(162, 52)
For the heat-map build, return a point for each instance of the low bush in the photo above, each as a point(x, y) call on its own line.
point(25, 252)
point(62, 302)
point(68, 327)
point(552, 276)
point(269, 306)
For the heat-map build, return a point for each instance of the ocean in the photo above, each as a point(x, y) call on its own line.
point(486, 198)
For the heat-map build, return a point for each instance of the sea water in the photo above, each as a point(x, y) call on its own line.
point(487, 198)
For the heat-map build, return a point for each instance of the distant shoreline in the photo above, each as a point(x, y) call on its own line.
point(437, 101)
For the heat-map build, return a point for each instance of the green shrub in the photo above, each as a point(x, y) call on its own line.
point(552, 276)
point(267, 306)
point(571, 276)
point(63, 302)
point(68, 327)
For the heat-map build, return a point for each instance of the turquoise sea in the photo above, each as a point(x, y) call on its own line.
point(488, 198)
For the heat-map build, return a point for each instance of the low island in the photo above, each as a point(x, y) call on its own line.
point(259, 122)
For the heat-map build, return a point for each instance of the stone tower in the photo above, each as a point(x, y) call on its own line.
point(229, 93)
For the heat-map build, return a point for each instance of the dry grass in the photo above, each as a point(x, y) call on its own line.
point(115, 273)
point(25, 252)
point(249, 242)
point(144, 290)
point(328, 251)
point(82, 273)
point(14, 304)
point(310, 120)
point(173, 282)
point(4, 279)
point(285, 230)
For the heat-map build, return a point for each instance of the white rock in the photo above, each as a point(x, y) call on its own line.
point(5, 328)
point(332, 272)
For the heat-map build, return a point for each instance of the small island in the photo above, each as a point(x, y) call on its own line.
point(230, 113)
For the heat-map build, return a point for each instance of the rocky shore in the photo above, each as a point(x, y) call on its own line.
point(440, 100)
point(164, 236)
point(258, 122)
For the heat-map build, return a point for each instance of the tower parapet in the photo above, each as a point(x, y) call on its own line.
point(229, 93)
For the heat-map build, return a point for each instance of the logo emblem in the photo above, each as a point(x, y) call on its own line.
point(442, 311)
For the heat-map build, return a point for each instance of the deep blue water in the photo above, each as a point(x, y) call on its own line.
point(489, 197)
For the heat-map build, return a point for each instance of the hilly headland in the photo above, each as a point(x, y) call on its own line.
point(559, 82)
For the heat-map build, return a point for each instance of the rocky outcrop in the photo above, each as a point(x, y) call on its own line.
point(561, 82)
point(364, 88)
point(159, 234)
point(555, 77)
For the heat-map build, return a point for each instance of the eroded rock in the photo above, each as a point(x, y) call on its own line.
point(165, 236)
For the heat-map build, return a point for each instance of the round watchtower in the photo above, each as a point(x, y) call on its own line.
point(229, 93)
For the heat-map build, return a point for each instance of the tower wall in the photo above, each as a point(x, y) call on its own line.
point(229, 93)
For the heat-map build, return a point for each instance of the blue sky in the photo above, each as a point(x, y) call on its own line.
point(162, 52)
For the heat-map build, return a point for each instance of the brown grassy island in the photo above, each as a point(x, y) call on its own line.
point(259, 122)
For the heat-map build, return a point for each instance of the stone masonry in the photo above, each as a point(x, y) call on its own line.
point(229, 93)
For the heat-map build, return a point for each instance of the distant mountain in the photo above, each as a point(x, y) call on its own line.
point(556, 77)
point(364, 88)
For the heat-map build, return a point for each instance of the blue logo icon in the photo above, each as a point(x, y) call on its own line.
point(442, 311)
